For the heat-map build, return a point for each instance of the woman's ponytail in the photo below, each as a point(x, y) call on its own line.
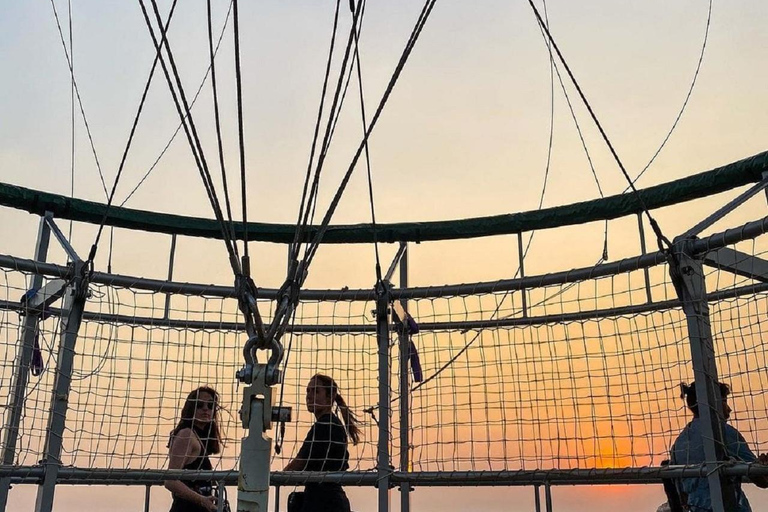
point(349, 418)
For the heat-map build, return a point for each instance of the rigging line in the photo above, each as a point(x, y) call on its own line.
point(123, 159)
point(578, 127)
point(338, 102)
point(657, 230)
point(198, 157)
point(426, 11)
point(477, 335)
point(217, 121)
point(367, 153)
point(239, 80)
point(192, 104)
point(189, 128)
point(335, 107)
point(299, 224)
point(72, 113)
point(79, 99)
point(278, 441)
point(685, 102)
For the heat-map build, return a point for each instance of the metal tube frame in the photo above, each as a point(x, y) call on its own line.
point(646, 274)
point(688, 277)
point(383, 467)
point(405, 355)
point(728, 237)
point(74, 300)
point(21, 371)
point(638, 475)
point(521, 263)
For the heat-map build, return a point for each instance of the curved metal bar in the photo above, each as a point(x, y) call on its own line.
point(173, 323)
point(716, 241)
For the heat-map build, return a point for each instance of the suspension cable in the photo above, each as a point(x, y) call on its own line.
point(685, 102)
point(294, 253)
point(191, 104)
point(335, 107)
point(367, 154)
point(79, 99)
point(217, 121)
point(238, 76)
point(423, 17)
point(94, 246)
point(189, 129)
point(660, 238)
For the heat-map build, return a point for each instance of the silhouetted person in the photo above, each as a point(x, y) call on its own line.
point(325, 447)
point(195, 438)
point(688, 449)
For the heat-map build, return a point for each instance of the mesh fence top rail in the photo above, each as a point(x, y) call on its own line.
point(727, 177)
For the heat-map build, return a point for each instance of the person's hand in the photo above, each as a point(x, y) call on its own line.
point(763, 458)
point(209, 503)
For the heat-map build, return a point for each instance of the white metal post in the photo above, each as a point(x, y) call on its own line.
point(688, 276)
point(21, 371)
point(74, 304)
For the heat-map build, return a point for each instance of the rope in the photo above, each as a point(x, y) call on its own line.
point(367, 153)
point(660, 238)
point(71, 113)
point(423, 17)
point(136, 118)
point(241, 136)
point(294, 253)
point(178, 128)
point(335, 109)
point(189, 128)
point(79, 99)
point(217, 121)
point(685, 102)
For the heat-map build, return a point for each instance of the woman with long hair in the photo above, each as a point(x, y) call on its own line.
point(325, 447)
point(195, 437)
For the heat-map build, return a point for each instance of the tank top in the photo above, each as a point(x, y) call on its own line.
point(204, 487)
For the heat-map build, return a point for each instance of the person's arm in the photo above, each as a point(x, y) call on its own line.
point(184, 448)
point(742, 453)
point(297, 464)
point(762, 480)
point(307, 452)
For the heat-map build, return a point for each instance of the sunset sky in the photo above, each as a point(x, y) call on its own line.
point(465, 134)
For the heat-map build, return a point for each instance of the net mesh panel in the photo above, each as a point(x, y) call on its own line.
point(550, 392)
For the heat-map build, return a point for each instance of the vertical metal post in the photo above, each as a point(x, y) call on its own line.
point(277, 498)
point(537, 497)
point(382, 338)
point(641, 230)
point(688, 277)
point(74, 304)
point(256, 447)
point(21, 372)
point(171, 258)
point(405, 355)
point(548, 496)
point(521, 258)
point(147, 493)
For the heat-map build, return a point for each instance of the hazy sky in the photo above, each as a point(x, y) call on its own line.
point(465, 133)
